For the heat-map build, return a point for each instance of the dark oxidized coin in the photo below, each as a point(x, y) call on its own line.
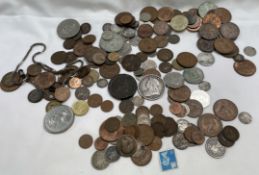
point(126, 106)
point(85, 28)
point(122, 86)
point(59, 57)
point(230, 133)
point(165, 54)
point(223, 141)
point(34, 69)
point(131, 62)
point(205, 45)
point(165, 67)
point(35, 95)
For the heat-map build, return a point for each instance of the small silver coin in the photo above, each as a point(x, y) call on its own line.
point(145, 17)
point(174, 80)
point(116, 28)
point(206, 59)
point(214, 148)
point(135, 40)
point(99, 160)
point(193, 75)
point(250, 51)
point(82, 93)
point(148, 64)
point(138, 101)
point(205, 86)
point(107, 27)
point(112, 154)
point(102, 83)
point(201, 96)
point(205, 7)
point(58, 119)
point(113, 45)
point(180, 142)
point(128, 33)
point(182, 125)
point(151, 87)
point(68, 28)
point(245, 118)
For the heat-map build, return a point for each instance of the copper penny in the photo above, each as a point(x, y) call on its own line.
point(150, 10)
point(85, 141)
point(34, 69)
point(126, 106)
point(161, 41)
point(62, 93)
point(131, 130)
point(165, 54)
point(161, 28)
point(145, 31)
point(187, 59)
point(170, 127)
point(148, 45)
point(89, 39)
point(156, 109)
point(110, 136)
point(209, 124)
point(106, 106)
point(44, 80)
point(156, 144)
point(100, 144)
point(224, 45)
point(224, 14)
point(109, 71)
point(181, 94)
point(225, 109)
point(212, 18)
point(75, 83)
point(112, 124)
point(230, 30)
point(95, 100)
point(209, 31)
point(146, 134)
point(196, 108)
point(198, 137)
point(69, 43)
point(142, 156)
point(245, 68)
point(183, 112)
point(131, 62)
point(175, 108)
point(165, 14)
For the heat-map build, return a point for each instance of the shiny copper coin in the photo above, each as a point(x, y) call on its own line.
point(156, 109)
point(145, 31)
point(187, 59)
point(109, 71)
point(225, 109)
point(95, 100)
point(142, 156)
point(148, 45)
point(146, 134)
point(209, 124)
point(212, 18)
point(156, 144)
point(224, 46)
point(62, 93)
point(75, 83)
point(165, 14)
point(100, 144)
point(34, 69)
point(106, 106)
point(245, 68)
point(181, 94)
point(85, 141)
point(44, 80)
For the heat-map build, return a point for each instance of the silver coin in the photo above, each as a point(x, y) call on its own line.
point(102, 83)
point(58, 119)
point(107, 35)
point(205, 86)
point(129, 33)
point(187, 108)
point(125, 50)
point(180, 142)
point(145, 17)
point(116, 28)
point(144, 119)
point(148, 64)
point(214, 148)
point(151, 87)
point(245, 117)
point(82, 93)
point(99, 160)
point(205, 7)
point(250, 51)
point(107, 27)
point(201, 96)
point(139, 72)
point(113, 45)
point(112, 154)
point(206, 59)
point(193, 75)
point(138, 101)
point(182, 125)
point(135, 41)
point(68, 28)
point(174, 80)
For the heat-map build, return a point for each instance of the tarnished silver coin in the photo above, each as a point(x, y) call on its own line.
point(68, 28)
point(107, 27)
point(143, 120)
point(135, 40)
point(102, 83)
point(180, 142)
point(245, 117)
point(107, 35)
point(182, 125)
point(58, 119)
point(82, 93)
point(201, 96)
point(205, 86)
point(99, 160)
point(113, 45)
point(205, 7)
point(128, 33)
point(250, 51)
point(206, 59)
point(151, 87)
point(145, 17)
point(214, 148)
point(112, 154)
point(138, 101)
point(193, 75)
point(116, 29)
point(148, 64)
point(125, 50)
point(174, 80)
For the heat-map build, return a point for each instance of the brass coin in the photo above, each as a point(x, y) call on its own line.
point(75, 83)
point(80, 107)
point(245, 68)
point(85, 141)
point(95, 100)
point(62, 93)
point(106, 106)
point(44, 80)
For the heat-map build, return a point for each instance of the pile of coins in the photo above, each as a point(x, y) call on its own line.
point(137, 133)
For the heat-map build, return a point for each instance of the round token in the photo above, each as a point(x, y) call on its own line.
point(106, 106)
point(100, 144)
point(131, 62)
point(193, 75)
point(179, 23)
point(156, 109)
point(113, 45)
point(201, 96)
point(196, 108)
point(225, 109)
point(138, 101)
point(186, 59)
point(35, 95)
point(146, 134)
point(173, 39)
point(102, 83)
point(44, 80)
point(112, 124)
point(126, 106)
point(229, 30)
point(224, 45)
point(126, 145)
point(80, 108)
point(224, 14)
point(161, 27)
point(230, 133)
point(95, 100)
point(145, 31)
point(148, 45)
point(99, 160)
point(150, 10)
point(212, 18)
point(59, 57)
point(223, 141)
point(181, 94)
point(156, 144)
point(165, 14)
point(174, 80)
point(245, 68)
point(209, 124)
point(180, 142)
point(89, 39)
point(68, 28)
point(245, 117)
point(82, 93)
point(205, 45)
point(214, 148)
point(62, 93)
point(250, 51)
point(165, 54)
point(59, 119)
point(85, 141)
point(206, 59)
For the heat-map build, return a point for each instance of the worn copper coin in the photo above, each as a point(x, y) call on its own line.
point(212, 18)
point(150, 10)
point(209, 31)
point(95, 100)
point(161, 40)
point(209, 124)
point(100, 144)
point(75, 82)
point(161, 28)
point(186, 59)
point(165, 54)
point(131, 62)
point(59, 57)
point(146, 134)
point(165, 14)
point(112, 124)
point(126, 145)
point(181, 94)
point(89, 39)
point(34, 69)
point(205, 45)
point(142, 156)
point(224, 14)
point(126, 106)
point(189, 131)
point(44, 80)
point(148, 45)
point(106, 106)
point(156, 144)
point(165, 67)
point(198, 137)
point(156, 109)
point(245, 68)
point(175, 108)
point(109, 71)
point(225, 142)
point(85, 141)
point(85, 28)
point(224, 45)
point(225, 109)
point(196, 108)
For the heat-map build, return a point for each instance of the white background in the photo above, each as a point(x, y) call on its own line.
point(27, 149)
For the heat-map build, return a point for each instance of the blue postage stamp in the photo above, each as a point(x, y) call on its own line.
point(168, 160)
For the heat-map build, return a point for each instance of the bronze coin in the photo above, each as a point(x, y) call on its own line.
point(165, 67)
point(183, 112)
point(189, 131)
point(161, 28)
point(34, 69)
point(165, 54)
point(230, 133)
point(158, 119)
point(112, 124)
point(109, 71)
point(95, 100)
point(110, 136)
point(126, 106)
point(212, 18)
point(131, 130)
point(90, 51)
point(223, 14)
point(126, 145)
point(142, 110)
point(208, 31)
point(205, 45)
point(156, 109)
point(89, 39)
point(124, 18)
point(114, 56)
point(159, 129)
point(225, 109)
point(74, 82)
point(142, 156)
point(146, 134)
point(161, 41)
point(106, 106)
point(85, 28)
point(80, 48)
point(59, 57)
point(35, 95)
point(83, 71)
point(223, 141)
point(143, 56)
point(100, 144)
point(245, 68)
point(175, 108)
point(165, 14)
point(145, 31)
point(210, 125)
point(198, 137)
point(196, 108)
point(176, 66)
point(69, 43)
point(44, 80)
point(170, 127)
point(131, 62)
point(62, 93)
point(186, 59)
point(156, 144)
point(152, 71)
point(181, 94)
point(150, 10)
point(148, 45)
point(85, 141)
point(230, 30)
point(224, 45)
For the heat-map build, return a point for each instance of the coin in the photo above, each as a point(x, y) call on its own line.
point(196, 108)
point(245, 117)
point(152, 71)
point(35, 95)
point(99, 160)
point(59, 57)
point(113, 45)
point(161, 27)
point(129, 119)
point(225, 142)
point(198, 137)
point(250, 51)
point(106, 106)
point(175, 108)
point(122, 86)
point(52, 104)
point(181, 94)
point(156, 144)
point(223, 14)
point(126, 145)
point(151, 87)
point(85, 28)
point(75, 82)
point(165, 54)
point(225, 109)
point(131, 62)
point(44, 80)
point(174, 80)
point(230, 133)
point(156, 109)
point(229, 30)
point(208, 31)
point(173, 39)
point(137, 100)
point(150, 10)
point(95, 100)
point(34, 69)
point(186, 59)
point(145, 31)
point(59, 119)
point(62, 93)
point(80, 108)
point(102, 83)
point(224, 45)
point(205, 45)
point(146, 134)
point(112, 154)
point(165, 67)
point(165, 14)
point(180, 142)
point(147, 45)
point(205, 7)
point(142, 156)
point(88, 81)
point(182, 125)
point(89, 39)
point(112, 124)
point(109, 71)
point(245, 68)
point(85, 141)
point(193, 75)
point(209, 124)
point(142, 110)
point(68, 28)
point(201, 96)
point(148, 64)
point(179, 23)
point(100, 144)
point(212, 18)
point(206, 59)
point(170, 127)
point(214, 148)
point(82, 93)
point(126, 106)
point(189, 131)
